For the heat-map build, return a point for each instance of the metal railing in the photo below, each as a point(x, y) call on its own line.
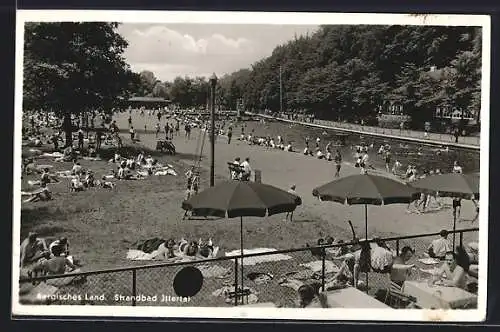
point(151, 284)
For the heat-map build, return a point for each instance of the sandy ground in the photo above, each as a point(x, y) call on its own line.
point(282, 169)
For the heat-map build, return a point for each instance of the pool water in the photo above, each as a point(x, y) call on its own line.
point(423, 156)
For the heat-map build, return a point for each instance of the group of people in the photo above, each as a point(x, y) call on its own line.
point(456, 266)
point(239, 170)
point(39, 258)
point(171, 249)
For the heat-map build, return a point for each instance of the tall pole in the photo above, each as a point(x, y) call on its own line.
point(281, 93)
point(213, 82)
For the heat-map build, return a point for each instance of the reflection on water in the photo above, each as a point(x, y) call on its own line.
point(424, 157)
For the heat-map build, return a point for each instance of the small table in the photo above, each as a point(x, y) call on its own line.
point(438, 297)
point(351, 297)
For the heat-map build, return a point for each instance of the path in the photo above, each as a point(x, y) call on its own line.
point(282, 169)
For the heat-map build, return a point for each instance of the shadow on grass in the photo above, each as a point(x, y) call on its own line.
point(40, 219)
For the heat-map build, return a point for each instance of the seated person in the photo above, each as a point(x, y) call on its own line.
point(140, 158)
point(89, 180)
point(77, 168)
point(329, 156)
point(450, 274)
point(92, 152)
point(371, 257)
point(319, 154)
point(33, 249)
point(58, 264)
point(344, 277)
point(166, 250)
point(400, 268)
point(288, 147)
point(77, 184)
point(440, 246)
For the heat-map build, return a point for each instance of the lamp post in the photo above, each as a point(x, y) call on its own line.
point(213, 82)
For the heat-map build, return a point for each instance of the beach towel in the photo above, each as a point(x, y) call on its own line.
point(53, 154)
point(92, 158)
point(37, 151)
point(317, 266)
point(258, 259)
point(166, 172)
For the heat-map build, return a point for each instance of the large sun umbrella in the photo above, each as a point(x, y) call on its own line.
point(450, 185)
point(367, 189)
point(241, 199)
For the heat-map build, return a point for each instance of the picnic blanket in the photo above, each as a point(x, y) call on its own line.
point(139, 255)
point(258, 259)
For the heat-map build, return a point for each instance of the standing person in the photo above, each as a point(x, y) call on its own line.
point(338, 163)
point(387, 160)
point(172, 131)
point(177, 127)
point(457, 206)
point(157, 129)
point(247, 170)
point(293, 192)
point(80, 139)
point(98, 140)
point(55, 141)
point(457, 168)
point(167, 130)
point(132, 133)
point(229, 135)
point(130, 121)
point(456, 133)
point(187, 128)
point(440, 246)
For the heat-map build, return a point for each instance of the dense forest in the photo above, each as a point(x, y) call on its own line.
point(348, 72)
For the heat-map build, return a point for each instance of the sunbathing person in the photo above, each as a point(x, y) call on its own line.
point(33, 249)
point(42, 194)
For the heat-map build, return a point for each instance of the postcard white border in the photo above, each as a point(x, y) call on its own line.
point(172, 17)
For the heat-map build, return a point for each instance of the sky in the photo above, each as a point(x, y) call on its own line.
point(171, 50)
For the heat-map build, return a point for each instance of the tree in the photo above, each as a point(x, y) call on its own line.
point(73, 68)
